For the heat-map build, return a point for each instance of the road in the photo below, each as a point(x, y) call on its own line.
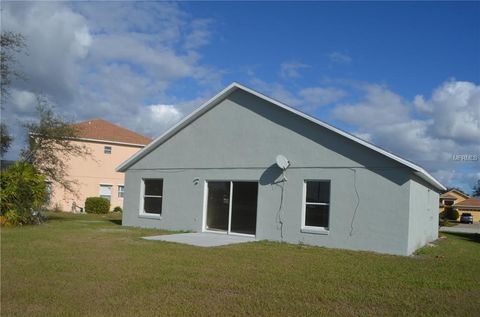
point(463, 228)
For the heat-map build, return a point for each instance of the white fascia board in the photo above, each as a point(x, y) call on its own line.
point(177, 127)
point(108, 142)
point(229, 89)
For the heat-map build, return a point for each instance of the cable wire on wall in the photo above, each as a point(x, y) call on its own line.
point(281, 184)
point(358, 199)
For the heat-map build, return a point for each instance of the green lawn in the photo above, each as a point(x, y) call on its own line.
point(90, 265)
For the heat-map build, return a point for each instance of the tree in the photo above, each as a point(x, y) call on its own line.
point(50, 145)
point(476, 189)
point(5, 139)
point(11, 43)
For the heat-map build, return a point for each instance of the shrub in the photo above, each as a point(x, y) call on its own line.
point(443, 222)
point(451, 213)
point(97, 205)
point(118, 209)
point(22, 194)
point(12, 218)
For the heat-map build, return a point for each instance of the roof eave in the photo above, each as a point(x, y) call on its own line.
point(177, 127)
point(233, 86)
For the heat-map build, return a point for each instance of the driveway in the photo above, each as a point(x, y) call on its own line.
point(463, 228)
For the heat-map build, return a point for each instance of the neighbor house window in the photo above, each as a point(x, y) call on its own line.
point(121, 191)
point(107, 149)
point(48, 190)
point(152, 196)
point(317, 206)
point(106, 191)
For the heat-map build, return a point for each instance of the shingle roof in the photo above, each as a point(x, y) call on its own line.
point(469, 203)
point(99, 129)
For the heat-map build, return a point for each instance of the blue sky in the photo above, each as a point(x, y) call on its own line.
point(410, 46)
point(403, 75)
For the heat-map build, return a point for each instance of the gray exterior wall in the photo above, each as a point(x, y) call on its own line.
point(423, 219)
point(239, 140)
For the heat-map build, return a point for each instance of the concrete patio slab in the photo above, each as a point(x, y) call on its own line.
point(202, 239)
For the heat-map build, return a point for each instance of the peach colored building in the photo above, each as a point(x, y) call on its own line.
point(95, 174)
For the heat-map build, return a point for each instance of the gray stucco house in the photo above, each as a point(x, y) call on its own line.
point(216, 171)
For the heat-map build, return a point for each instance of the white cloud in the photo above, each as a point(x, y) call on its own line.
point(455, 109)
point(319, 96)
point(276, 91)
point(111, 60)
point(379, 107)
point(308, 99)
point(24, 101)
point(155, 118)
point(291, 69)
point(340, 58)
point(449, 126)
point(57, 38)
point(200, 34)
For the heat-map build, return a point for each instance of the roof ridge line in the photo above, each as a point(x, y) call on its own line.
point(420, 171)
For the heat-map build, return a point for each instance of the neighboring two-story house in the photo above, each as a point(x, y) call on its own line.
point(95, 174)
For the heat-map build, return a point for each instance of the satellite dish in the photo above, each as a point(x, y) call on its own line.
point(282, 162)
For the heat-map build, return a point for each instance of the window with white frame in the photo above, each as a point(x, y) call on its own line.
point(121, 191)
point(106, 191)
point(48, 190)
point(107, 149)
point(317, 205)
point(152, 196)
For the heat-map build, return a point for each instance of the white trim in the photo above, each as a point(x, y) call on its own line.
point(419, 171)
point(98, 141)
point(142, 213)
point(177, 127)
point(216, 231)
point(310, 229)
point(205, 202)
point(149, 216)
point(230, 208)
point(108, 142)
point(118, 191)
point(315, 230)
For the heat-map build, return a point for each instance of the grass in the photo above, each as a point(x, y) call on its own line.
point(90, 265)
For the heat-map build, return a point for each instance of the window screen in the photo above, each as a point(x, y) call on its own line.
point(317, 204)
point(152, 197)
point(121, 191)
point(106, 191)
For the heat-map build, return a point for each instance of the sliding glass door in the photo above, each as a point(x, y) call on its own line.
point(218, 205)
point(232, 207)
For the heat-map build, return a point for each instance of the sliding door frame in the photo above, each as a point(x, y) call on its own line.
point(230, 206)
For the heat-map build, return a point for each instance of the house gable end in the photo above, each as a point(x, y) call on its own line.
point(230, 90)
